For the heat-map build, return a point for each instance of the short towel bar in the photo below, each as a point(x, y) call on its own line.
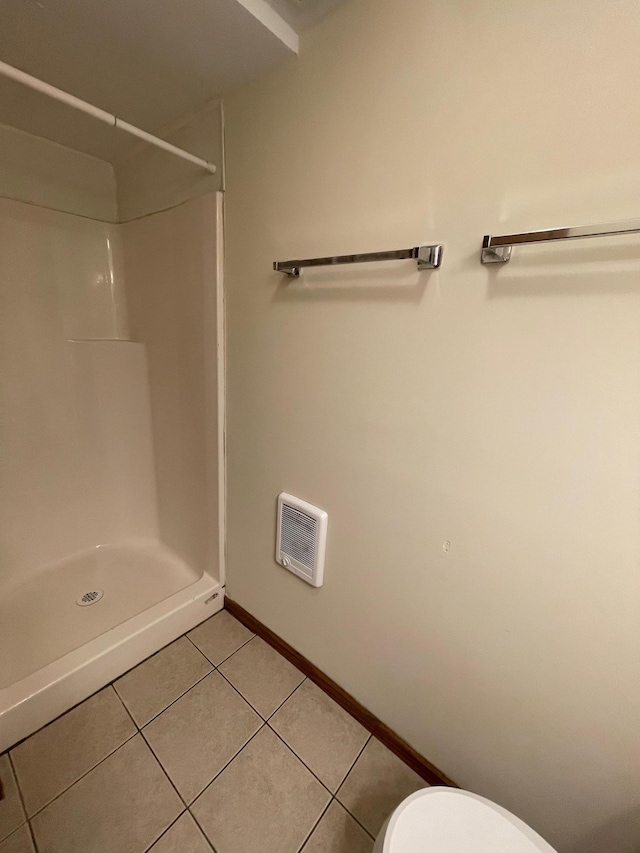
point(428, 257)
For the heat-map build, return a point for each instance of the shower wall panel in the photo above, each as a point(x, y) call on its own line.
point(73, 417)
point(170, 265)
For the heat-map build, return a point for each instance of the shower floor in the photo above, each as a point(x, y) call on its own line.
point(40, 621)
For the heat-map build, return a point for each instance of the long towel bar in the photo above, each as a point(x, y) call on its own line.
point(428, 257)
point(497, 250)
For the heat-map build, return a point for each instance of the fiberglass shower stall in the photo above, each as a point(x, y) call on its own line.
point(110, 446)
point(111, 332)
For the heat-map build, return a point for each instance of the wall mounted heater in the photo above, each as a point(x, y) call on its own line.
point(301, 538)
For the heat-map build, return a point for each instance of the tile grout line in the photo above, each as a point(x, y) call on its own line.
point(197, 823)
point(209, 784)
point(314, 826)
point(127, 711)
point(284, 702)
point(355, 819)
point(157, 758)
point(164, 831)
point(86, 773)
point(173, 702)
point(162, 767)
point(184, 693)
point(216, 665)
point(141, 733)
point(242, 696)
point(263, 723)
point(333, 796)
point(353, 764)
point(306, 766)
point(27, 821)
point(32, 836)
point(348, 811)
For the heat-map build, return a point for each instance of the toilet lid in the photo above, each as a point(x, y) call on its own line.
point(447, 820)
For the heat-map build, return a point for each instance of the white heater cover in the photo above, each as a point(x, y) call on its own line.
point(301, 538)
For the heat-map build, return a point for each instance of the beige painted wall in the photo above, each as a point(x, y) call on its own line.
point(40, 172)
point(494, 408)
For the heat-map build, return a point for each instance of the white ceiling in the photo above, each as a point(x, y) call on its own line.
point(147, 61)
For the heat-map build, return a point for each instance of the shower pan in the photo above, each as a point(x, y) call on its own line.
point(111, 470)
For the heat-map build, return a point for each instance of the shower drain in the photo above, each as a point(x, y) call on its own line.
point(90, 597)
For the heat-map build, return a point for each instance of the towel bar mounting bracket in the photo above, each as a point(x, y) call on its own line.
point(495, 254)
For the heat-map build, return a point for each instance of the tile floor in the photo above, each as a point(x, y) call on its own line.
point(214, 743)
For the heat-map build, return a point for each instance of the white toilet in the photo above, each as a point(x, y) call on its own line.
point(447, 820)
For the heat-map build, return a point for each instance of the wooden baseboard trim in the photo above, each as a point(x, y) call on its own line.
point(377, 728)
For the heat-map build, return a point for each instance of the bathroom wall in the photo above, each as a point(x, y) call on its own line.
point(40, 172)
point(170, 265)
point(474, 433)
point(75, 433)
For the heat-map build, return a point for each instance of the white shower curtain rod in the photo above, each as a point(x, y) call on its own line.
point(101, 115)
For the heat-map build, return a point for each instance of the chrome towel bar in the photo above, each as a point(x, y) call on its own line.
point(428, 257)
point(497, 250)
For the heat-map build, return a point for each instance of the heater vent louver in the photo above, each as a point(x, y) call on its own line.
point(301, 536)
point(298, 535)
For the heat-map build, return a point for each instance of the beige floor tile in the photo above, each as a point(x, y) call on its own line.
point(220, 636)
point(18, 842)
point(378, 782)
point(123, 805)
point(263, 676)
point(11, 812)
point(56, 756)
point(200, 733)
point(320, 732)
point(265, 801)
point(183, 837)
point(338, 832)
point(157, 682)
